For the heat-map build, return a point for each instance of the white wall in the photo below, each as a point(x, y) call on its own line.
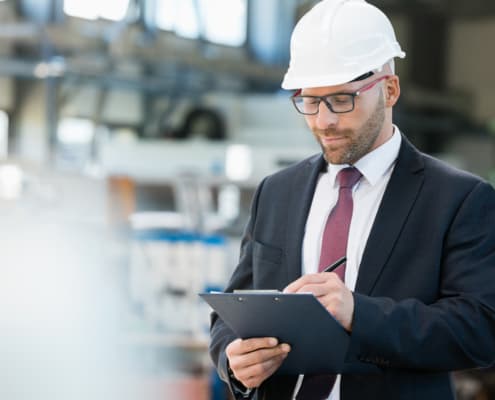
point(120, 106)
point(123, 106)
point(163, 161)
point(263, 120)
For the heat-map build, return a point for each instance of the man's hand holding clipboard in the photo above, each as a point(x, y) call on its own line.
point(268, 323)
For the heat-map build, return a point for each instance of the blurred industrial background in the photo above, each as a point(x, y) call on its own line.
point(132, 136)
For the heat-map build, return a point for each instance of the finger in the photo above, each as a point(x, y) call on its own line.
point(263, 355)
point(254, 375)
point(315, 283)
point(318, 290)
point(240, 346)
point(329, 303)
point(333, 284)
point(240, 362)
point(261, 369)
point(340, 304)
point(296, 286)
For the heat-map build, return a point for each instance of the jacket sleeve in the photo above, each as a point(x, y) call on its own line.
point(455, 332)
point(221, 334)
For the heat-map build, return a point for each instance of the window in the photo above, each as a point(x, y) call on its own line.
point(114, 10)
point(178, 16)
point(238, 162)
point(75, 131)
point(75, 136)
point(222, 21)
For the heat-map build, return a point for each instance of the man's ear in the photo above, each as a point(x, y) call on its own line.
point(392, 91)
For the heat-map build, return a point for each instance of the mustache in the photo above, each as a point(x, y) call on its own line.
point(331, 132)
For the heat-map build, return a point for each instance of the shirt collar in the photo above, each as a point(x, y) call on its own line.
point(374, 164)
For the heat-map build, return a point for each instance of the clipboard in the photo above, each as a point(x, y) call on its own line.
point(318, 342)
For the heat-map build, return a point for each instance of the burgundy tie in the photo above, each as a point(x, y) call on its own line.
point(333, 247)
point(334, 241)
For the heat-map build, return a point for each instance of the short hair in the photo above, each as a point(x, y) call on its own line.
point(391, 64)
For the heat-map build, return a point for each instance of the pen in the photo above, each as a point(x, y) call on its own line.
point(337, 263)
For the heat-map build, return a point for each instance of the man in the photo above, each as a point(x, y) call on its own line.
point(415, 295)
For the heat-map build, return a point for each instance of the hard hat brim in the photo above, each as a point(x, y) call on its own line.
point(303, 82)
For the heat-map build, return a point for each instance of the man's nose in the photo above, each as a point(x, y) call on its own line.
point(325, 117)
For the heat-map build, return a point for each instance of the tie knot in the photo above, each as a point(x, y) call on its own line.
point(348, 177)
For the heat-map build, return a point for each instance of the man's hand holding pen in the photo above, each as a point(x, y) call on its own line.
point(329, 289)
point(253, 360)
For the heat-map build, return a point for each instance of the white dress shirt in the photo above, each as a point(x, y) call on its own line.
point(376, 168)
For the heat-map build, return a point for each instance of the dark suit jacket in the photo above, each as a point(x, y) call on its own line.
point(425, 294)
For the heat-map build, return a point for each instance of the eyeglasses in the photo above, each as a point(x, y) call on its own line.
point(337, 103)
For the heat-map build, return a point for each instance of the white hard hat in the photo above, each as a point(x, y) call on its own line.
point(337, 41)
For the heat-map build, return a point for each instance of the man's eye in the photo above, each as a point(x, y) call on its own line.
point(311, 101)
point(344, 99)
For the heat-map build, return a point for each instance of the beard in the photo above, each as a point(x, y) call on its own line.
point(359, 142)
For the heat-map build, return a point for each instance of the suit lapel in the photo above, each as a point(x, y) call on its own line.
point(302, 190)
point(398, 199)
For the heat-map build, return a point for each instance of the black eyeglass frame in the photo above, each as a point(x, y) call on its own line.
point(297, 95)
